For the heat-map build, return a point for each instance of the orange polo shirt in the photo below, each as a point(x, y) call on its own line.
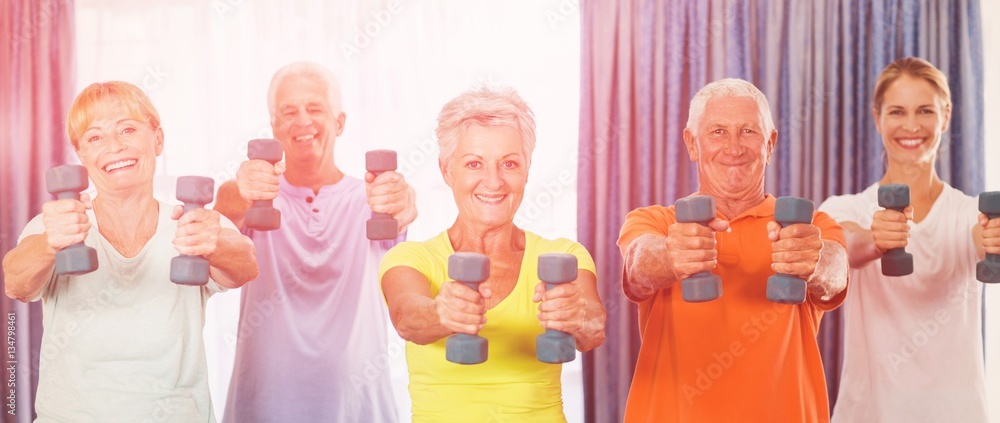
point(739, 357)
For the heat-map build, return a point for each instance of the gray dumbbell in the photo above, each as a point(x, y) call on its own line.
point(895, 262)
point(702, 286)
point(988, 270)
point(195, 192)
point(783, 288)
point(469, 269)
point(554, 346)
point(66, 182)
point(262, 215)
point(381, 225)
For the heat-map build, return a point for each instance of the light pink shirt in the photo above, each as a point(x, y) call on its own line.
point(312, 328)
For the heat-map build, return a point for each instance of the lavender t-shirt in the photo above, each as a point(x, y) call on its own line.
point(314, 317)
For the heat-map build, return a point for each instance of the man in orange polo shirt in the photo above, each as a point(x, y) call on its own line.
point(740, 357)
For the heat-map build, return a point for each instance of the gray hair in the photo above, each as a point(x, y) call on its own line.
point(487, 107)
point(311, 70)
point(729, 87)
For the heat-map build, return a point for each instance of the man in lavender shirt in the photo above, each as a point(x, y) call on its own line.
point(315, 316)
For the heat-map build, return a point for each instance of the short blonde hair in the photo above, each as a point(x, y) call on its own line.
point(485, 106)
point(101, 97)
point(914, 67)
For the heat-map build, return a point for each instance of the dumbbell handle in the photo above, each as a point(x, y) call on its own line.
point(473, 286)
point(988, 269)
point(784, 225)
point(261, 215)
point(189, 207)
point(186, 262)
point(992, 216)
point(894, 251)
point(262, 203)
point(555, 346)
point(701, 286)
point(548, 286)
point(68, 195)
point(377, 215)
point(558, 334)
point(706, 273)
point(699, 274)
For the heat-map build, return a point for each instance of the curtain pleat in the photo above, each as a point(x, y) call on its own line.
point(816, 62)
point(37, 79)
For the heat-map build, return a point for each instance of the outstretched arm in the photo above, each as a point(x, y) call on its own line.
point(255, 180)
point(654, 262)
point(420, 319)
point(798, 250)
point(29, 266)
point(574, 308)
point(390, 194)
point(230, 254)
point(229, 203)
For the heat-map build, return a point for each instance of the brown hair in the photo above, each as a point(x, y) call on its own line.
point(914, 67)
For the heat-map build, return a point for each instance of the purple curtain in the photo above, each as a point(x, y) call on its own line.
point(37, 84)
point(643, 60)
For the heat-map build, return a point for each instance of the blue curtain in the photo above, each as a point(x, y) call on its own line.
point(816, 61)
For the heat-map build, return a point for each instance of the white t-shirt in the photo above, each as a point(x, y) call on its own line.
point(124, 343)
point(913, 345)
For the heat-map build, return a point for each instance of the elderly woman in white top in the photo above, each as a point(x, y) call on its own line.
point(123, 343)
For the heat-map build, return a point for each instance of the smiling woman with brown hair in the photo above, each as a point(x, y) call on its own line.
point(913, 347)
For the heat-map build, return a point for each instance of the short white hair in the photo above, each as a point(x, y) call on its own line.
point(485, 106)
point(729, 87)
point(310, 70)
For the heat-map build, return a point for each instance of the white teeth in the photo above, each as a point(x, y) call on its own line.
point(305, 138)
point(910, 142)
point(119, 165)
point(490, 199)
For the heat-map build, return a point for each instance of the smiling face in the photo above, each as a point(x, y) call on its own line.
point(119, 150)
point(731, 149)
point(304, 120)
point(911, 120)
point(487, 174)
